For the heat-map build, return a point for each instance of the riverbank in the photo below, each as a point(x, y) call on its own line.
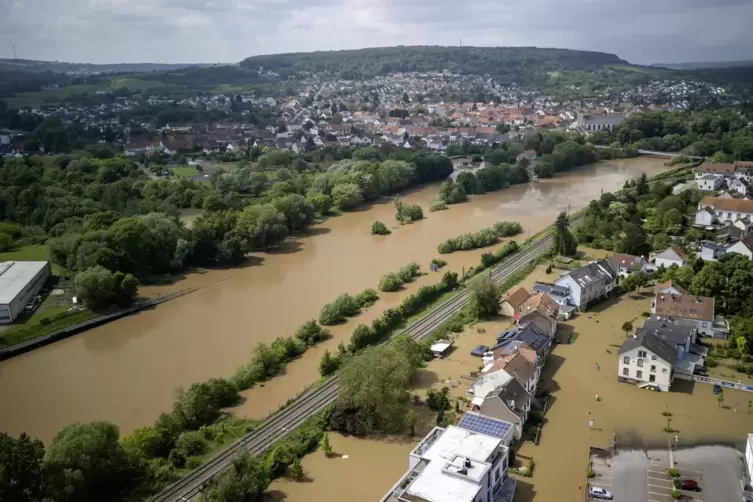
point(211, 332)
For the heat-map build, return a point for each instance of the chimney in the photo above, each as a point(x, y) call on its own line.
point(467, 464)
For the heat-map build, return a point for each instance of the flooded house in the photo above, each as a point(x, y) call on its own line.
point(589, 283)
point(542, 310)
point(693, 308)
point(455, 464)
point(647, 360)
point(511, 303)
point(682, 335)
point(626, 264)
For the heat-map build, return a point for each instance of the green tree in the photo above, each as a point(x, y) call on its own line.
point(321, 203)
point(347, 196)
point(245, 481)
point(438, 400)
point(144, 442)
point(641, 186)
point(325, 445)
point(298, 211)
point(564, 242)
point(87, 463)
point(99, 287)
point(262, 225)
point(22, 476)
point(379, 228)
point(329, 364)
point(720, 399)
point(635, 281)
point(485, 298)
point(627, 327)
point(742, 345)
point(296, 470)
point(390, 282)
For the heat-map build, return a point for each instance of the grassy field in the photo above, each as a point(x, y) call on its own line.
point(184, 171)
point(51, 96)
point(45, 321)
point(33, 252)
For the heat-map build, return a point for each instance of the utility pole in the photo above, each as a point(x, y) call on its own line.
point(14, 51)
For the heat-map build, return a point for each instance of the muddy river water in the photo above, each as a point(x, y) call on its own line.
point(127, 371)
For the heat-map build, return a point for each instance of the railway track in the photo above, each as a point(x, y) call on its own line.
point(284, 422)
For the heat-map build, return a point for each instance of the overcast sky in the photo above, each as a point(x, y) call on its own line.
point(208, 31)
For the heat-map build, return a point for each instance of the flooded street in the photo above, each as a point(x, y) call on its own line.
point(126, 371)
point(570, 374)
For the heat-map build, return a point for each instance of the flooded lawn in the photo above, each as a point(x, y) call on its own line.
point(126, 371)
point(633, 415)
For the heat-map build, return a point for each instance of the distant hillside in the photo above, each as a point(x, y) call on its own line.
point(704, 66)
point(29, 65)
point(508, 63)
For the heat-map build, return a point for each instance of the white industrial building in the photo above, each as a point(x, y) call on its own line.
point(20, 281)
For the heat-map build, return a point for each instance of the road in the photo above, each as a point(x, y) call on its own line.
point(284, 422)
point(316, 96)
point(668, 155)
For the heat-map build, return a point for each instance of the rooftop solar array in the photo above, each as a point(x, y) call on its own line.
point(485, 425)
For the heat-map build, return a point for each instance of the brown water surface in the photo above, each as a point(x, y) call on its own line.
point(634, 416)
point(126, 371)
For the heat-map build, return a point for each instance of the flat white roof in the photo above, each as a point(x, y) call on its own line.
point(15, 276)
point(488, 382)
point(435, 485)
point(441, 346)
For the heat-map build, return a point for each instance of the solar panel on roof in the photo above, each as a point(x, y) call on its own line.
point(485, 425)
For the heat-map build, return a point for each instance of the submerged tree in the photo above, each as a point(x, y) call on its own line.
point(564, 242)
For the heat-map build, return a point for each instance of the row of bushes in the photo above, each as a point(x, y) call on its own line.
point(346, 305)
point(488, 260)
point(268, 360)
point(482, 238)
point(391, 319)
point(395, 280)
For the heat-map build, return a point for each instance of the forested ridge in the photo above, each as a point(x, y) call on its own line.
point(497, 61)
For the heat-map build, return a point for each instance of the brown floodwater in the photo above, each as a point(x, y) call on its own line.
point(127, 371)
point(633, 415)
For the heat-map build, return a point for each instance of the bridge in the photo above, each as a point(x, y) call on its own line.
point(667, 155)
point(284, 422)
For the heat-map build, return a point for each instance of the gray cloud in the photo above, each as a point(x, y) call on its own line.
point(103, 31)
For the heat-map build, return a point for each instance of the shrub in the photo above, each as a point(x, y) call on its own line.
point(390, 282)
point(311, 333)
point(675, 494)
point(438, 205)
point(407, 213)
point(330, 315)
point(673, 472)
point(439, 263)
point(409, 272)
point(676, 482)
point(590, 473)
point(347, 305)
point(379, 228)
point(482, 238)
point(366, 298)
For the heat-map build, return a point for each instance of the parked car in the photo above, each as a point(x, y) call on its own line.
point(690, 485)
point(717, 389)
point(700, 370)
point(599, 493)
point(650, 386)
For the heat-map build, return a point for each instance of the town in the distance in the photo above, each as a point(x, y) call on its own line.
point(407, 274)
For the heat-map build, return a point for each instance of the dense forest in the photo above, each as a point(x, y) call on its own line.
point(723, 135)
point(510, 63)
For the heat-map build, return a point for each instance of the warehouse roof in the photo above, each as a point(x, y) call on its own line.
point(15, 276)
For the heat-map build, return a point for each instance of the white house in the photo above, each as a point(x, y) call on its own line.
point(455, 465)
point(720, 169)
point(586, 284)
point(710, 182)
point(647, 359)
point(705, 217)
point(741, 186)
point(728, 209)
point(626, 264)
point(711, 251)
point(669, 288)
point(743, 247)
point(673, 255)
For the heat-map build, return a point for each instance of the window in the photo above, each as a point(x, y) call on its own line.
point(640, 363)
point(664, 370)
point(626, 360)
point(653, 357)
point(653, 368)
point(639, 374)
point(652, 378)
point(626, 372)
point(641, 353)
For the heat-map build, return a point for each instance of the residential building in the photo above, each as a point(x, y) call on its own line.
point(511, 304)
point(720, 169)
point(710, 182)
point(673, 255)
point(589, 283)
point(455, 465)
point(626, 264)
point(705, 217)
point(647, 359)
point(699, 309)
point(728, 209)
point(711, 251)
point(499, 395)
point(513, 349)
point(529, 333)
point(489, 426)
point(682, 335)
point(542, 310)
point(744, 247)
point(519, 365)
point(20, 281)
point(741, 186)
point(559, 294)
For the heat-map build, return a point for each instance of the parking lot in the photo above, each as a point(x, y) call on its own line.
point(641, 476)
